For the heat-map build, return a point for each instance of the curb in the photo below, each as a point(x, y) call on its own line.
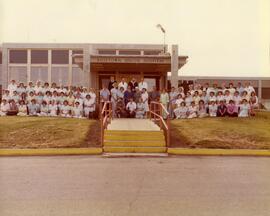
point(218, 152)
point(50, 151)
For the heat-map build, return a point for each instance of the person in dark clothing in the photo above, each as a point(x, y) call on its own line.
point(127, 95)
point(137, 95)
point(222, 109)
point(112, 81)
point(154, 95)
point(133, 84)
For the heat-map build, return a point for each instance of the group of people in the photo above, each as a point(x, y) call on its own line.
point(45, 100)
point(130, 100)
point(213, 101)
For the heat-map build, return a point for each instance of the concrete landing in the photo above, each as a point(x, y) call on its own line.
point(133, 124)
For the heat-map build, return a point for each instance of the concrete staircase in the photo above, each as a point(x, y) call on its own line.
point(134, 136)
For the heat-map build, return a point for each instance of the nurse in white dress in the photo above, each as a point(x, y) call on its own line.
point(244, 109)
point(145, 99)
point(89, 105)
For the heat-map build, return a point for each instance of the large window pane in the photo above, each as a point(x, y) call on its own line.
point(60, 56)
point(39, 73)
point(60, 75)
point(39, 56)
point(18, 56)
point(77, 76)
point(18, 73)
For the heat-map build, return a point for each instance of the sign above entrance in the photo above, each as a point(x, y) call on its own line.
point(120, 59)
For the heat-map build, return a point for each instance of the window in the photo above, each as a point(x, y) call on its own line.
point(107, 52)
point(76, 52)
point(18, 73)
point(39, 73)
point(18, 56)
point(60, 75)
point(60, 57)
point(152, 52)
point(77, 76)
point(129, 52)
point(1, 56)
point(39, 56)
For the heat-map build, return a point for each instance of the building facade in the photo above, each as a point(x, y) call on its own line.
point(88, 65)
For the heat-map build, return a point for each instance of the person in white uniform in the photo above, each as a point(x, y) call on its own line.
point(12, 87)
point(192, 110)
point(22, 109)
point(131, 108)
point(53, 108)
point(65, 110)
point(244, 109)
point(181, 111)
point(89, 106)
point(44, 109)
point(140, 109)
point(145, 99)
point(114, 97)
point(142, 85)
point(212, 108)
point(33, 108)
point(4, 107)
point(123, 84)
point(77, 111)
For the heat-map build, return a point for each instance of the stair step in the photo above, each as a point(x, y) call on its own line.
point(117, 155)
point(126, 143)
point(139, 137)
point(133, 132)
point(134, 149)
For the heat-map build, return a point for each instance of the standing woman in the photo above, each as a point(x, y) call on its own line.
point(145, 100)
point(164, 100)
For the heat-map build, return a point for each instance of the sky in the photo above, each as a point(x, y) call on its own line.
point(221, 37)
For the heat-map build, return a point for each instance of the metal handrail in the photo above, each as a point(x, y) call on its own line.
point(105, 118)
point(156, 109)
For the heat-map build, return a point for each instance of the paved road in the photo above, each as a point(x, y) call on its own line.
point(86, 186)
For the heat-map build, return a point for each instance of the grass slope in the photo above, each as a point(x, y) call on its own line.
point(42, 132)
point(228, 133)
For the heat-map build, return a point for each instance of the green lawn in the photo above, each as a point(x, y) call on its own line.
point(236, 133)
point(42, 132)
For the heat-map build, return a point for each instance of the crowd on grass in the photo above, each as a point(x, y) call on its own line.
point(129, 100)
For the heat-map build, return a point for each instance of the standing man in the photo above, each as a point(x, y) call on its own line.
point(143, 85)
point(123, 84)
point(154, 95)
point(133, 84)
point(114, 93)
point(112, 81)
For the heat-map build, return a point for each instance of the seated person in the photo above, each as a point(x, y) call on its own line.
point(77, 111)
point(254, 103)
point(13, 109)
point(33, 108)
point(232, 109)
point(202, 110)
point(181, 111)
point(65, 110)
point(222, 109)
point(120, 109)
point(244, 109)
point(4, 107)
point(53, 108)
point(140, 109)
point(44, 109)
point(22, 109)
point(212, 109)
point(131, 108)
point(192, 110)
